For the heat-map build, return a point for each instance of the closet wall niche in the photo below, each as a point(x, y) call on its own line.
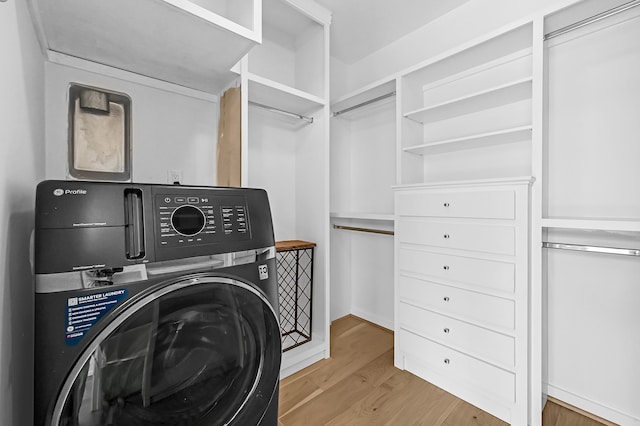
point(591, 207)
point(363, 134)
point(285, 142)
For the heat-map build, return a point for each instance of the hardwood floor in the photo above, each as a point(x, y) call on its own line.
point(359, 385)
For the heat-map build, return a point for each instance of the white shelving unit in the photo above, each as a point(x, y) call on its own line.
point(285, 143)
point(480, 140)
point(190, 43)
point(464, 145)
point(589, 201)
point(476, 99)
point(494, 96)
point(363, 133)
point(280, 96)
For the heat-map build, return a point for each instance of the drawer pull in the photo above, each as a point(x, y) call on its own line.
point(446, 236)
point(446, 298)
point(445, 267)
point(446, 331)
point(446, 204)
point(447, 361)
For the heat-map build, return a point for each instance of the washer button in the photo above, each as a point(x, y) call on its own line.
point(180, 200)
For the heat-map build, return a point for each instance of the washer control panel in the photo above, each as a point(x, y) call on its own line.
point(198, 218)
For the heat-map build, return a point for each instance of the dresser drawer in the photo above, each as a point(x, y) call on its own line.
point(457, 366)
point(457, 302)
point(478, 272)
point(479, 204)
point(479, 341)
point(498, 239)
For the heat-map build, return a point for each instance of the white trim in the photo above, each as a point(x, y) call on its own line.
point(373, 318)
point(215, 19)
point(301, 357)
point(592, 407)
point(474, 182)
point(312, 10)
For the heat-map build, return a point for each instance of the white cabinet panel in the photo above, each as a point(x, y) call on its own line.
point(460, 303)
point(468, 270)
point(496, 239)
point(461, 277)
point(460, 367)
point(493, 346)
point(486, 204)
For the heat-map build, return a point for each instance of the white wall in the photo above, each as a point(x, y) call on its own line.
point(21, 167)
point(473, 19)
point(172, 128)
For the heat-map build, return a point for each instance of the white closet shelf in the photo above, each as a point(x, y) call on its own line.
point(498, 137)
point(621, 225)
point(177, 41)
point(280, 96)
point(362, 216)
point(495, 96)
point(361, 100)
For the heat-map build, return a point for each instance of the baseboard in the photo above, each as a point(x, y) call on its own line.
point(373, 318)
point(304, 357)
point(588, 408)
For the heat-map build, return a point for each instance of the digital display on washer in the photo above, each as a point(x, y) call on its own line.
point(200, 218)
point(188, 220)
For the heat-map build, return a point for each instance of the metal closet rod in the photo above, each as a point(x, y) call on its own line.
point(281, 111)
point(593, 249)
point(365, 103)
point(592, 19)
point(372, 231)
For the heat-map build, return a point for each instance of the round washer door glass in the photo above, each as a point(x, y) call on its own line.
point(204, 352)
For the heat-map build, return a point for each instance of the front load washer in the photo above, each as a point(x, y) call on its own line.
point(154, 305)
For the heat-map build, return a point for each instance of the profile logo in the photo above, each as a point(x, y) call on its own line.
point(60, 192)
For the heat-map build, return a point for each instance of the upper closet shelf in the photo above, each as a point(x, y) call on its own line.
point(374, 95)
point(499, 137)
point(280, 96)
point(190, 43)
point(499, 95)
point(362, 216)
point(623, 225)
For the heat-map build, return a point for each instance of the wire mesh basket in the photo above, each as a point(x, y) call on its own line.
point(294, 260)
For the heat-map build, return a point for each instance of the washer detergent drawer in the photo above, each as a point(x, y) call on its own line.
point(482, 204)
point(479, 341)
point(478, 272)
point(464, 304)
point(63, 250)
point(497, 239)
point(459, 367)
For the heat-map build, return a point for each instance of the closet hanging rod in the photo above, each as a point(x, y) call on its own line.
point(281, 111)
point(365, 103)
point(592, 19)
point(593, 249)
point(372, 231)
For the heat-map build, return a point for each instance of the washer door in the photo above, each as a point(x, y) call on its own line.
point(203, 350)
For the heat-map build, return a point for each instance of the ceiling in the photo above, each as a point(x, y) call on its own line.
point(360, 27)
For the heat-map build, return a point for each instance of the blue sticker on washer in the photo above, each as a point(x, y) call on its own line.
point(83, 312)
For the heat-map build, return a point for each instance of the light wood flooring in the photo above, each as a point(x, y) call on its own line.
point(359, 385)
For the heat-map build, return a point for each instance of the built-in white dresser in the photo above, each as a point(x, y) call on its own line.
point(461, 290)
